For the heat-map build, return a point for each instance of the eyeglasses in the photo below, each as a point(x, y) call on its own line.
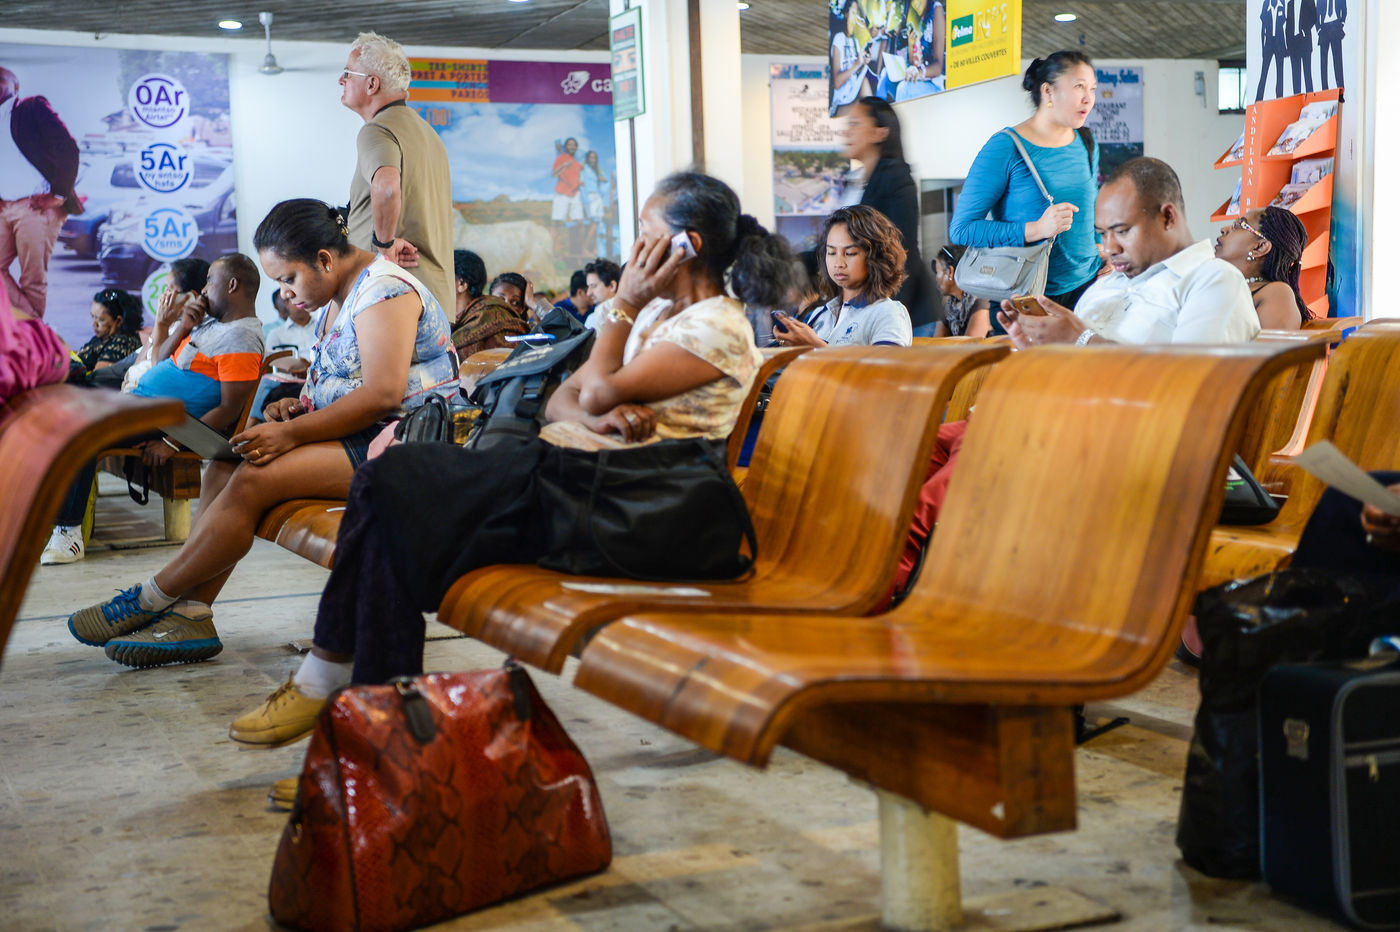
point(1243, 224)
point(347, 72)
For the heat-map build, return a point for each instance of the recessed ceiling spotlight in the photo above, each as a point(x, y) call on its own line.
point(519, 1)
point(230, 24)
point(743, 6)
point(1065, 17)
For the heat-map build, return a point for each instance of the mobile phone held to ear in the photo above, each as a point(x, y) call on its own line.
point(1028, 305)
point(778, 324)
point(681, 241)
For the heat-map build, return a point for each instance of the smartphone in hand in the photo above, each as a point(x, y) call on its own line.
point(681, 241)
point(778, 324)
point(1028, 305)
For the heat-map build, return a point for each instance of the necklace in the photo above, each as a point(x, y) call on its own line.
point(1253, 279)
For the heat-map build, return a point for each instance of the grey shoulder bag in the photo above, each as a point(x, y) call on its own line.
point(998, 272)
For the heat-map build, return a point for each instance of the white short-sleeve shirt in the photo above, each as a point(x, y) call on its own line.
point(856, 324)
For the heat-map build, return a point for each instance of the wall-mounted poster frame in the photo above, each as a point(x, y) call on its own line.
point(625, 43)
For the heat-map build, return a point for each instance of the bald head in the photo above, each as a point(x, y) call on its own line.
point(1140, 216)
point(232, 287)
point(1154, 180)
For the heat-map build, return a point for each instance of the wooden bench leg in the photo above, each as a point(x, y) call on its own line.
point(921, 887)
point(177, 519)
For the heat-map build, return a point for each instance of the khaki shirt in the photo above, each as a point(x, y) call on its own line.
point(398, 137)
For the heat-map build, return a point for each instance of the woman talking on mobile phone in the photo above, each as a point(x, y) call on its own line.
point(1001, 205)
point(675, 359)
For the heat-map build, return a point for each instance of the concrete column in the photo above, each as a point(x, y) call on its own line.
point(667, 139)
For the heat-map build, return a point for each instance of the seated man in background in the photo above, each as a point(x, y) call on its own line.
point(1166, 287)
point(213, 370)
point(602, 277)
point(577, 302)
point(482, 321)
point(295, 331)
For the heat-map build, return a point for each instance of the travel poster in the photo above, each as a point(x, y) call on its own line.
point(534, 167)
point(154, 173)
point(809, 170)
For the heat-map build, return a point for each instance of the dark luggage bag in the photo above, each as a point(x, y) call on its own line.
point(1329, 746)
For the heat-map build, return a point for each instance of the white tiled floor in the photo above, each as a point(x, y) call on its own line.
point(123, 804)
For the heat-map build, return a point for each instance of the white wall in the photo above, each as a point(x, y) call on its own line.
point(291, 136)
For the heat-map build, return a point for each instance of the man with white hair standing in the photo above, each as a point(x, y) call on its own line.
point(401, 195)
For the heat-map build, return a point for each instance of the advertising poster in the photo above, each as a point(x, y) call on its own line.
point(1116, 120)
point(1300, 46)
point(154, 172)
point(625, 44)
point(808, 168)
point(534, 168)
point(905, 49)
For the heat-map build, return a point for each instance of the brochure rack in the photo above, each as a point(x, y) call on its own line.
point(1264, 176)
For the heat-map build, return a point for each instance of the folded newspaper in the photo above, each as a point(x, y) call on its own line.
point(1329, 464)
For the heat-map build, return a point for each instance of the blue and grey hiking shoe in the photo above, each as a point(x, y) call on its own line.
point(106, 620)
point(183, 634)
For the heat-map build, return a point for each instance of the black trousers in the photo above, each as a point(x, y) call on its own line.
point(1334, 540)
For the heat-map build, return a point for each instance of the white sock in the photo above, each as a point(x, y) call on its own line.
point(152, 599)
point(317, 678)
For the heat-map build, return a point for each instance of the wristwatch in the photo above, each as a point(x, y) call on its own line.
point(374, 240)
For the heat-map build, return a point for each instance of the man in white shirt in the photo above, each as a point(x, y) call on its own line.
point(1165, 287)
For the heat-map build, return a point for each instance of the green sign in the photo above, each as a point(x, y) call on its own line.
point(625, 41)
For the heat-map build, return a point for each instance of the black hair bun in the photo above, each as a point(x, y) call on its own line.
point(1035, 75)
point(748, 225)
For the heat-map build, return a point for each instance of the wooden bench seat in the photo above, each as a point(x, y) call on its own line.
point(308, 527)
point(836, 473)
point(45, 436)
point(1061, 571)
point(1357, 408)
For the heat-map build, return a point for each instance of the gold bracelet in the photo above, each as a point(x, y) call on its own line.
point(617, 315)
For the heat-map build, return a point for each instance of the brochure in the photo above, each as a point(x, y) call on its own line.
point(1329, 464)
point(1236, 152)
point(1312, 116)
point(1310, 171)
point(1289, 195)
point(1234, 209)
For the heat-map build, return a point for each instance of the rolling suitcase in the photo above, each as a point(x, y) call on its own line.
point(1329, 767)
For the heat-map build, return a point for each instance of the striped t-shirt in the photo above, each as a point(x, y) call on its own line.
point(214, 352)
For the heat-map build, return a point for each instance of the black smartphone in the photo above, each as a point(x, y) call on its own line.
point(778, 324)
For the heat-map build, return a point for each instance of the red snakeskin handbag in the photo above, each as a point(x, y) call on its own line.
point(432, 796)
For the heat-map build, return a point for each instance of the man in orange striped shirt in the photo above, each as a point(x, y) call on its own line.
point(215, 368)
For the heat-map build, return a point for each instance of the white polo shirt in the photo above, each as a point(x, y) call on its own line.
point(1191, 297)
point(884, 321)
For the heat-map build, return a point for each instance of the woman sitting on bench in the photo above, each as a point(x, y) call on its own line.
point(384, 345)
point(675, 359)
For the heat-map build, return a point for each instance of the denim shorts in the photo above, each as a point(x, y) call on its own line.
point(357, 444)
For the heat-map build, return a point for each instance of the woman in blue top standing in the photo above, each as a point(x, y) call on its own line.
point(1001, 205)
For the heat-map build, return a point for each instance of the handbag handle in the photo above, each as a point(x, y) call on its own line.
point(736, 499)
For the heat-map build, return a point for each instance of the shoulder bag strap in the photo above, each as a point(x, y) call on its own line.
point(1025, 157)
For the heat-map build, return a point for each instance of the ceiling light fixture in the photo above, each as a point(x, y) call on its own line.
point(519, 1)
point(743, 6)
point(230, 24)
point(1065, 17)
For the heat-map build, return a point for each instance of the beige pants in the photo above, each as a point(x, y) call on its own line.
point(28, 235)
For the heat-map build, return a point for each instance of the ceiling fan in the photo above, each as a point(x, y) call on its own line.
point(269, 65)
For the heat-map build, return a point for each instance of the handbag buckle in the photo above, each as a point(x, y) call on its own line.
point(417, 711)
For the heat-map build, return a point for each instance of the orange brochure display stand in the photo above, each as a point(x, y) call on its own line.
point(1297, 176)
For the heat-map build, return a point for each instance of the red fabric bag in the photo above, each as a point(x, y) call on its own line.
point(430, 797)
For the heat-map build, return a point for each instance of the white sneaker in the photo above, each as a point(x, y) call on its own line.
point(65, 546)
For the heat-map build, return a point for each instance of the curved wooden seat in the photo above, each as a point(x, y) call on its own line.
point(1357, 410)
point(1330, 323)
point(478, 364)
point(1271, 424)
point(1084, 489)
point(774, 358)
point(837, 469)
point(44, 438)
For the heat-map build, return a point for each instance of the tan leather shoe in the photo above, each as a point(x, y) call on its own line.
point(283, 793)
point(285, 716)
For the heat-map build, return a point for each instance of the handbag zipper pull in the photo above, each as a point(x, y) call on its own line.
point(1373, 768)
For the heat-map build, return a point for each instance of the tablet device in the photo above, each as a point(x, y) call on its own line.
point(202, 439)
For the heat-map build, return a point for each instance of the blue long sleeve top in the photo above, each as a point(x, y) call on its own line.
point(1000, 197)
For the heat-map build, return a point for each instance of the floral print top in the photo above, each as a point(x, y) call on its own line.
point(718, 331)
point(336, 370)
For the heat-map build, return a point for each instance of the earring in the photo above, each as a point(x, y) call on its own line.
point(1248, 255)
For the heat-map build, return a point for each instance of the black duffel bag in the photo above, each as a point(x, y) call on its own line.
point(663, 511)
